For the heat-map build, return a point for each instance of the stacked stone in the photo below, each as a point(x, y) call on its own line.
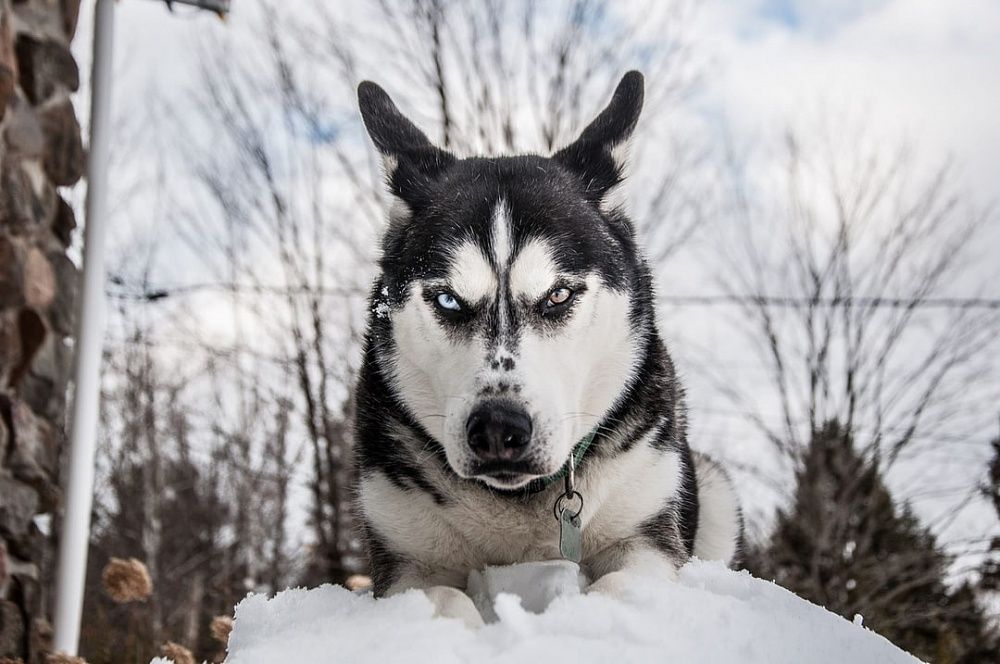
point(40, 151)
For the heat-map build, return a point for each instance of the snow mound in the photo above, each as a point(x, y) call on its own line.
point(710, 615)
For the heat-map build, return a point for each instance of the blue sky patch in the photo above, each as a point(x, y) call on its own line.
point(780, 11)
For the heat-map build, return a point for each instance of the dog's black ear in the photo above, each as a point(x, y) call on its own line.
point(599, 155)
point(410, 159)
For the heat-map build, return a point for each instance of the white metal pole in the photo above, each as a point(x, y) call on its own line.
point(79, 495)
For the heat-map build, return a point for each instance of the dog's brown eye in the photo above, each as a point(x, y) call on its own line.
point(559, 296)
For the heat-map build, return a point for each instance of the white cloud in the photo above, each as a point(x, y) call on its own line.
point(919, 69)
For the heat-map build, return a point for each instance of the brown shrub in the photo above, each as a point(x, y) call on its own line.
point(62, 658)
point(221, 627)
point(126, 580)
point(176, 652)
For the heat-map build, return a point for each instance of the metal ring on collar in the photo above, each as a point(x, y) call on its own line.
point(564, 496)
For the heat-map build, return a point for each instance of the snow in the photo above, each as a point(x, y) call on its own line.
point(536, 585)
point(711, 614)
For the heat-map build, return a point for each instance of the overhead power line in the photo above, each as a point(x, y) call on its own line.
point(159, 293)
point(866, 301)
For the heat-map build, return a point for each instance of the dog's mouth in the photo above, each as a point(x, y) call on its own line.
point(506, 475)
point(506, 480)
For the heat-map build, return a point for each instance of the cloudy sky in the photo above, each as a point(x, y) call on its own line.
point(922, 71)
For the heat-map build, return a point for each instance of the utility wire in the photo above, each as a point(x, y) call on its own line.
point(776, 301)
point(853, 301)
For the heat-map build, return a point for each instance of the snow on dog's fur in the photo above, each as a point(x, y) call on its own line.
point(513, 314)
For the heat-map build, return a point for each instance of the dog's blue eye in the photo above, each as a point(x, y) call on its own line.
point(449, 302)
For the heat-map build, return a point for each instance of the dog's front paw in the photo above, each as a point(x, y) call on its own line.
point(617, 584)
point(453, 603)
point(614, 584)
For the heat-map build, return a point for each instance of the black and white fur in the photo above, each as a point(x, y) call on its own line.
point(463, 323)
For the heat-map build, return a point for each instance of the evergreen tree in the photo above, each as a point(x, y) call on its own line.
point(991, 566)
point(843, 544)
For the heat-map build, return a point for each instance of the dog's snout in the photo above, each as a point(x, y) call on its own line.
point(498, 431)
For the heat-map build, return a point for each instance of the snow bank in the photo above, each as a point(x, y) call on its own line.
point(711, 615)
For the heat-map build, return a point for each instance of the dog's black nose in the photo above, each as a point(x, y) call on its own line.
point(498, 431)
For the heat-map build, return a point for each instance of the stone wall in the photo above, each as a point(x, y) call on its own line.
point(40, 151)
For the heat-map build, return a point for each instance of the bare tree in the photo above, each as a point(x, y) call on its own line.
point(194, 487)
point(489, 77)
point(857, 289)
point(848, 288)
point(272, 244)
point(286, 201)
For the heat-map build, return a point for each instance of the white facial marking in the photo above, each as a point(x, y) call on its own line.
point(565, 372)
point(573, 375)
point(435, 373)
point(533, 272)
point(471, 275)
point(501, 235)
point(502, 246)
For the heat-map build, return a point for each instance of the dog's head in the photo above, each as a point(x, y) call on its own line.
point(508, 316)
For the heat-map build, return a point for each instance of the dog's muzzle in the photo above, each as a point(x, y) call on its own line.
point(499, 434)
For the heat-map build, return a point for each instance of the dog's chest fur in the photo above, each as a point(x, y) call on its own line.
point(472, 528)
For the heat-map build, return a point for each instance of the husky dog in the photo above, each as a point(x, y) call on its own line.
point(512, 334)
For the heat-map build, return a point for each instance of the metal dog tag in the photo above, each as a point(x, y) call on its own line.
point(569, 535)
